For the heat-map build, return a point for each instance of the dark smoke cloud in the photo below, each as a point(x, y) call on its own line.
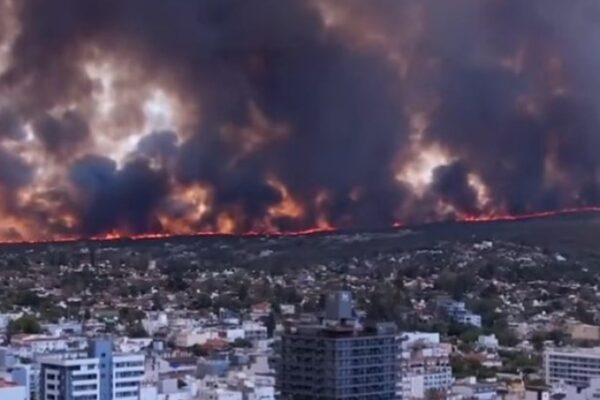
point(61, 136)
point(11, 125)
point(15, 173)
point(451, 185)
point(159, 145)
point(117, 199)
point(316, 96)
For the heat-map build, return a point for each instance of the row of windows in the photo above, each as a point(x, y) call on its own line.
point(573, 370)
point(129, 364)
point(126, 394)
point(321, 381)
point(82, 367)
point(340, 372)
point(126, 384)
point(554, 358)
point(85, 377)
point(80, 397)
point(576, 365)
point(345, 391)
point(86, 387)
point(341, 343)
point(129, 374)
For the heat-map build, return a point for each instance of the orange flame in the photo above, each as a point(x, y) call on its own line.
point(225, 228)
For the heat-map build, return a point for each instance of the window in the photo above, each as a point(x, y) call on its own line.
point(126, 384)
point(86, 387)
point(126, 394)
point(84, 377)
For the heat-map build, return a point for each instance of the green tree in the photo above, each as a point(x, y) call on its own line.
point(537, 340)
point(137, 331)
point(202, 302)
point(242, 343)
point(28, 298)
point(26, 324)
point(583, 314)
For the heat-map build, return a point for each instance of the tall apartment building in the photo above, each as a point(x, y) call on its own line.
point(338, 359)
point(424, 366)
point(573, 366)
point(102, 375)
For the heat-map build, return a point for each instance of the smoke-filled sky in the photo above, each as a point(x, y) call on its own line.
point(153, 116)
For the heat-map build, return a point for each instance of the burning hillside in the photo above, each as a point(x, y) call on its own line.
point(147, 118)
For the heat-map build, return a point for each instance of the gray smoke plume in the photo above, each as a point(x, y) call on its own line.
point(294, 114)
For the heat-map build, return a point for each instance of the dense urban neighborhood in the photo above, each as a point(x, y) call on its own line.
point(463, 317)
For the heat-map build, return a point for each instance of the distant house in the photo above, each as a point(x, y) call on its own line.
point(475, 390)
point(260, 310)
point(488, 341)
point(457, 312)
point(584, 332)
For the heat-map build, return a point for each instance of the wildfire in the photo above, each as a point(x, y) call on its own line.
point(226, 228)
point(533, 215)
point(289, 206)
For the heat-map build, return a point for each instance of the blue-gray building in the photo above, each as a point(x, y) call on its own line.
point(100, 375)
point(457, 312)
point(338, 359)
point(102, 349)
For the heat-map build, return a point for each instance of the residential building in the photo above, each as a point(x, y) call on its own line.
point(424, 365)
point(231, 334)
point(473, 390)
point(65, 378)
point(457, 312)
point(538, 392)
point(102, 375)
point(26, 375)
point(195, 336)
point(591, 392)
point(580, 331)
point(212, 389)
point(8, 358)
point(338, 359)
point(573, 366)
point(28, 346)
point(254, 331)
point(260, 310)
point(488, 342)
point(12, 391)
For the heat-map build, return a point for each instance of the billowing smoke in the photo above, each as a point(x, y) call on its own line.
point(151, 116)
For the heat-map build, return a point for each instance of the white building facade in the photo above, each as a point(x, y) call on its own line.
point(424, 365)
point(100, 376)
point(12, 391)
point(573, 366)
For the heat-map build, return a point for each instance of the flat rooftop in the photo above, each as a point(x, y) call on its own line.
point(581, 351)
point(342, 330)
